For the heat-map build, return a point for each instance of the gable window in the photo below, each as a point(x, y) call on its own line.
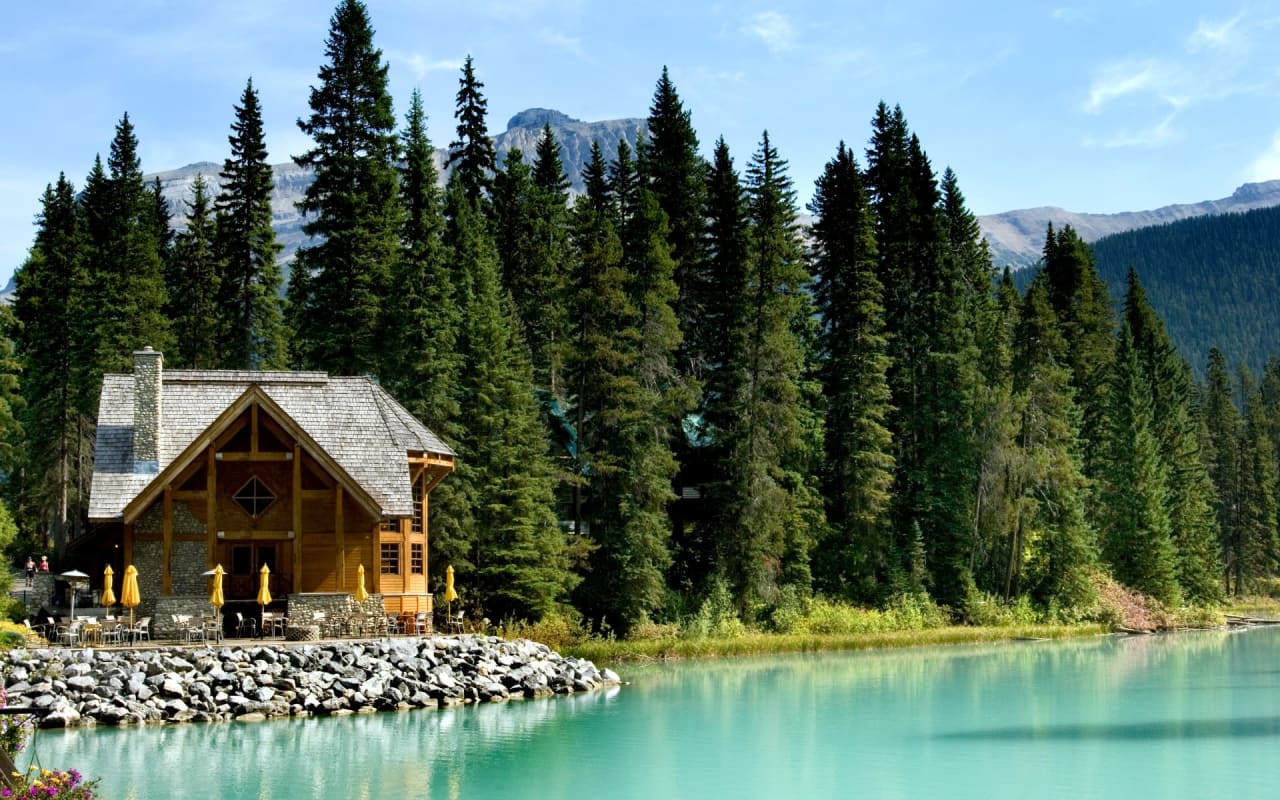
point(390, 558)
point(254, 497)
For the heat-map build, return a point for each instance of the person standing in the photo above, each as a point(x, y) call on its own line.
point(31, 570)
point(44, 563)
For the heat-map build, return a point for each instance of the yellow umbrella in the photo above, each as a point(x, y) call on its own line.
point(449, 593)
point(362, 594)
point(264, 595)
point(216, 599)
point(129, 596)
point(108, 597)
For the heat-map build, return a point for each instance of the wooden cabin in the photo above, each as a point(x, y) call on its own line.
point(310, 474)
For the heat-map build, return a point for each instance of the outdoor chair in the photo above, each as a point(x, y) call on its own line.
point(246, 626)
point(69, 634)
point(394, 625)
point(420, 623)
point(141, 630)
point(33, 635)
point(112, 632)
point(272, 624)
point(453, 623)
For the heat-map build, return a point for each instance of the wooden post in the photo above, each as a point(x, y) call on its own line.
point(166, 569)
point(297, 517)
point(339, 539)
point(211, 505)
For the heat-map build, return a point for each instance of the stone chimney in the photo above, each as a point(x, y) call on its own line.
point(148, 371)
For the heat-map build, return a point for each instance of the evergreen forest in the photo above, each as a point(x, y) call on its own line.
point(665, 395)
point(1196, 267)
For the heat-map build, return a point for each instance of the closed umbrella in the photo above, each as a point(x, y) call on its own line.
point(362, 594)
point(264, 595)
point(129, 595)
point(108, 596)
point(216, 599)
point(450, 594)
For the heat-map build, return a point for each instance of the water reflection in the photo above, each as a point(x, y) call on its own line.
point(1199, 711)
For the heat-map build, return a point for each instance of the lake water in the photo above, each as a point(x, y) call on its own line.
point(1193, 715)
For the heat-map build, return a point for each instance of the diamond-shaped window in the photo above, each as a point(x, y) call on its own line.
point(254, 497)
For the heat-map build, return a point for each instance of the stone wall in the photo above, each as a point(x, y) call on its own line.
point(224, 682)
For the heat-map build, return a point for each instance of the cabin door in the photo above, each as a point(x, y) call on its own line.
point(246, 560)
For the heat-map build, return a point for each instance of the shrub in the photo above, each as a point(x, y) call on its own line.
point(556, 631)
point(1122, 607)
point(716, 617)
point(988, 610)
point(916, 612)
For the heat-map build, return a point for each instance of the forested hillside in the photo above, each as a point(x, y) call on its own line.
point(1215, 281)
point(669, 402)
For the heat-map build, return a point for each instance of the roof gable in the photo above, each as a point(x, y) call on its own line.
point(350, 424)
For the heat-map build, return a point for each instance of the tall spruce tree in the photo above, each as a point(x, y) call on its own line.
point(625, 476)
point(1255, 534)
point(1051, 529)
point(471, 155)
point(700, 546)
point(193, 284)
point(676, 174)
point(251, 333)
point(127, 262)
point(1191, 495)
point(924, 305)
point(1138, 541)
point(1085, 312)
point(338, 285)
point(519, 556)
point(50, 327)
point(422, 364)
point(859, 457)
point(768, 505)
point(1223, 457)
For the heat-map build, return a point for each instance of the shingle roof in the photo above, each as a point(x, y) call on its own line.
point(356, 422)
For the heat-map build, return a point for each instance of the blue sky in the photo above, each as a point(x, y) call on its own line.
point(1092, 106)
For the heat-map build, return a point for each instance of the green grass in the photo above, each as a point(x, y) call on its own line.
point(609, 652)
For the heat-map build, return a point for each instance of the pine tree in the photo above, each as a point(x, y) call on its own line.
point(1084, 308)
point(127, 262)
point(859, 458)
point(931, 392)
point(676, 174)
point(1191, 496)
point(421, 361)
point(1051, 525)
point(50, 327)
point(1138, 542)
point(767, 502)
point(338, 285)
point(1256, 547)
point(193, 284)
point(519, 555)
point(251, 317)
point(1223, 459)
point(471, 155)
point(620, 501)
point(700, 548)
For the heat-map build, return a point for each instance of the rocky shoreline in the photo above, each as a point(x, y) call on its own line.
point(260, 680)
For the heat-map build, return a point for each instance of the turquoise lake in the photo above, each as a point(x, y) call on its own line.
point(1191, 715)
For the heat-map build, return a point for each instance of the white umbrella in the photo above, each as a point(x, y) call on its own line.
point(73, 577)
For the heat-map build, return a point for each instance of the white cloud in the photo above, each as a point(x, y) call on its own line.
point(772, 28)
point(1118, 80)
point(1266, 166)
point(1209, 35)
point(1157, 134)
point(419, 65)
